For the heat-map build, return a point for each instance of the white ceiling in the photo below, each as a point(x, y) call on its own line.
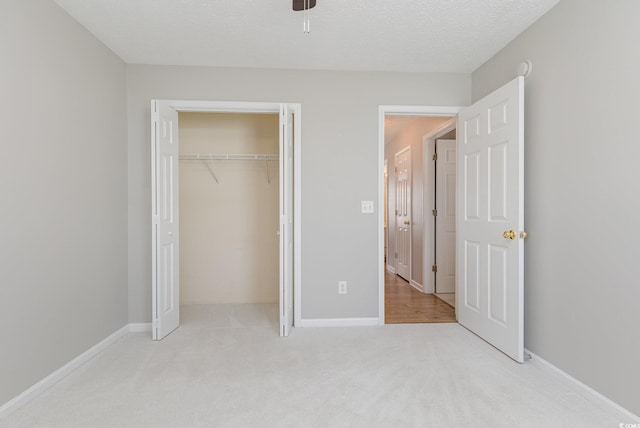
point(382, 35)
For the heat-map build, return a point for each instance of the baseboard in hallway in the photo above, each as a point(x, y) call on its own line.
point(449, 298)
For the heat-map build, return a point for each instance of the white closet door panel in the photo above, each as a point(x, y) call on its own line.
point(165, 256)
point(287, 120)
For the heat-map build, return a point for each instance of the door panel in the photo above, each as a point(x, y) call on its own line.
point(472, 275)
point(446, 218)
point(498, 257)
point(471, 189)
point(490, 268)
point(165, 250)
point(403, 213)
point(498, 157)
point(287, 120)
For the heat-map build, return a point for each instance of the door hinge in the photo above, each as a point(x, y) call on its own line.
point(435, 156)
point(434, 268)
point(396, 255)
point(396, 169)
point(396, 212)
point(155, 323)
point(435, 213)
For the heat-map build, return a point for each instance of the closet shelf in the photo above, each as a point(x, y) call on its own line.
point(211, 156)
point(250, 157)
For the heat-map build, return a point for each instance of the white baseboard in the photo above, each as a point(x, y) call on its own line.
point(584, 390)
point(391, 269)
point(140, 327)
point(339, 322)
point(417, 286)
point(61, 373)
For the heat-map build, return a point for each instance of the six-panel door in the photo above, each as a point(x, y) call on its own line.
point(490, 218)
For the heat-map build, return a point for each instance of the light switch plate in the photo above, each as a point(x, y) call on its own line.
point(367, 207)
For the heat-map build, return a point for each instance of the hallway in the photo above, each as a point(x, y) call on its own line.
point(404, 304)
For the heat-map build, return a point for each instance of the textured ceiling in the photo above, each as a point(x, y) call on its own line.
point(383, 35)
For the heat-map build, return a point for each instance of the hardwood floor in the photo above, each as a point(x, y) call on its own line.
point(404, 304)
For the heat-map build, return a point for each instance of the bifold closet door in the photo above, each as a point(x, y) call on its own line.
point(165, 222)
point(287, 120)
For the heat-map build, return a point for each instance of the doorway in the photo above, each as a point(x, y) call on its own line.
point(228, 199)
point(490, 224)
point(409, 275)
point(165, 198)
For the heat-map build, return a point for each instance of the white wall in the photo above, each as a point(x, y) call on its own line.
point(582, 203)
point(411, 136)
point(339, 167)
point(229, 247)
point(63, 181)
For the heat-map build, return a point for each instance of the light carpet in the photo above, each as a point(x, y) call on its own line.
point(226, 367)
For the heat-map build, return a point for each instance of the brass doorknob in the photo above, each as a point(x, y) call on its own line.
point(509, 234)
point(406, 222)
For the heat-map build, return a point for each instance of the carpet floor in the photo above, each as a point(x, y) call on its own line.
point(225, 366)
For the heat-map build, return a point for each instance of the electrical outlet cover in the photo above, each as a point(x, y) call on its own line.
point(342, 287)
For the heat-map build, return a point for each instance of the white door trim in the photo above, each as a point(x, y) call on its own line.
point(267, 107)
point(384, 110)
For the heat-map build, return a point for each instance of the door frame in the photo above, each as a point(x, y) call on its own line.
point(199, 106)
point(397, 110)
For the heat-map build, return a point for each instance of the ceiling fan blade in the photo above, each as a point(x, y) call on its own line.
point(299, 4)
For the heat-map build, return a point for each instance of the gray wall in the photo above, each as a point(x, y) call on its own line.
point(582, 189)
point(63, 183)
point(339, 167)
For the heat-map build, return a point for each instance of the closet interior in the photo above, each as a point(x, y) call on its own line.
point(229, 208)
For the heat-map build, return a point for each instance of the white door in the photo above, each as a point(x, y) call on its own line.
point(165, 223)
point(446, 216)
point(403, 213)
point(490, 268)
point(287, 121)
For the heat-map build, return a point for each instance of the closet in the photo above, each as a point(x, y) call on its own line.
point(229, 208)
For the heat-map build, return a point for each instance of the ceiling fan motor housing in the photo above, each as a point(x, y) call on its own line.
point(300, 4)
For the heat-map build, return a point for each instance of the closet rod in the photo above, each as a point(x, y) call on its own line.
point(210, 156)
